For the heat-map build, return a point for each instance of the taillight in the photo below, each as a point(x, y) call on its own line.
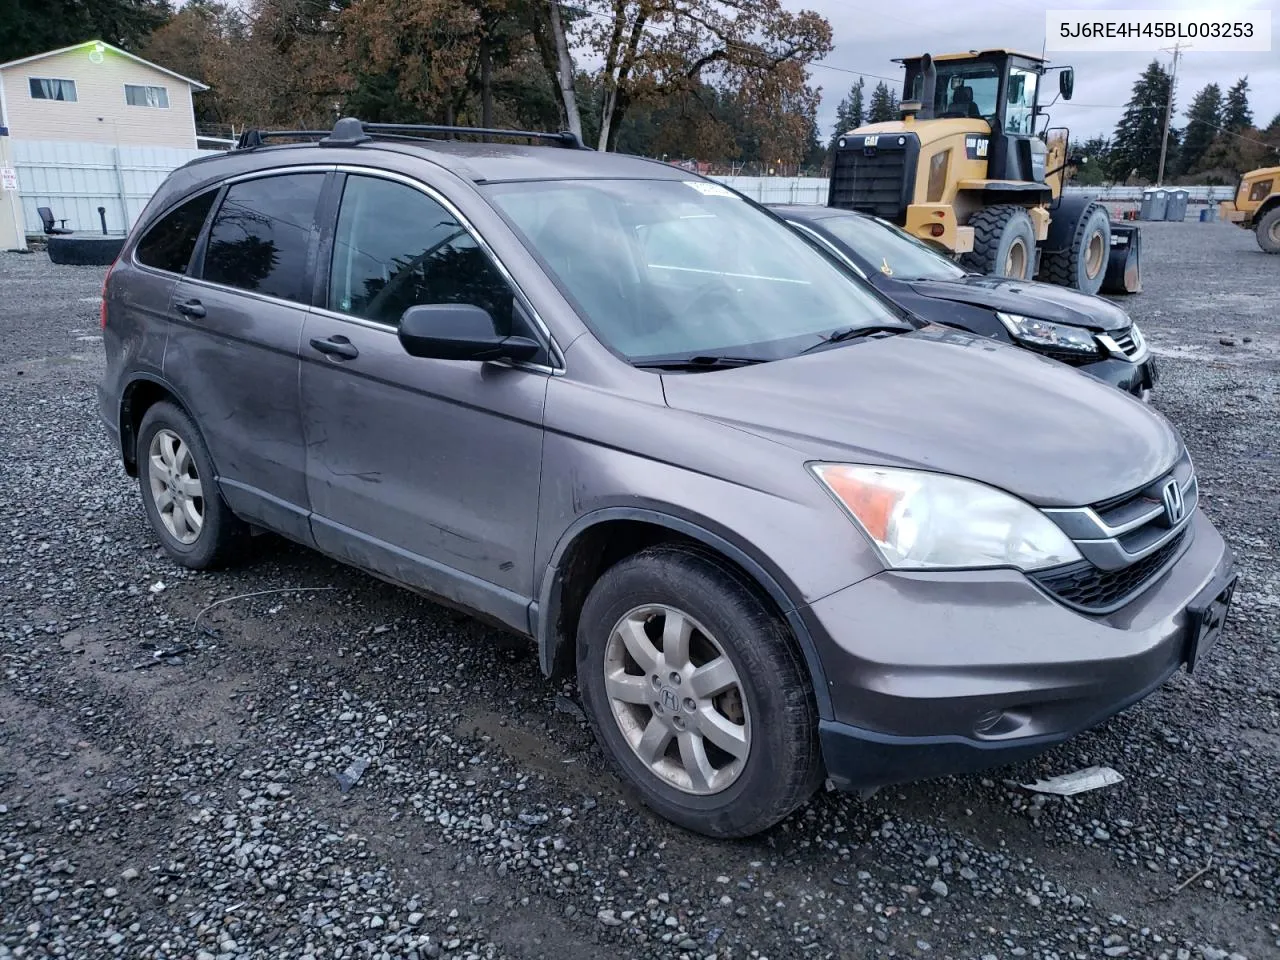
point(102, 310)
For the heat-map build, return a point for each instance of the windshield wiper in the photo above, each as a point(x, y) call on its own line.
point(699, 362)
point(853, 333)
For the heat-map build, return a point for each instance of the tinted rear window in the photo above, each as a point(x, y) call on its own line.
point(169, 243)
point(260, 235)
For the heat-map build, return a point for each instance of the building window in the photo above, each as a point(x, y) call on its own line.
point(42, 89)
point(137, 96)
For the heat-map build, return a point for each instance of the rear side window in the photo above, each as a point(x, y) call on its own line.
point(261, 233)
point(169, 243)
point(396, 248)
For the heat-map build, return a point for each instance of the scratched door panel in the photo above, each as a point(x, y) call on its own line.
point(424, 470)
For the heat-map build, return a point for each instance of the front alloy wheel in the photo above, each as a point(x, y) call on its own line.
point(696, 690)
point(677, 699)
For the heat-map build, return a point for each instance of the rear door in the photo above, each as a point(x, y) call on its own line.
point(424, 470)
point(233, 349)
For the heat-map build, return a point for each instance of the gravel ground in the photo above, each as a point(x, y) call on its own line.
point(170, 792)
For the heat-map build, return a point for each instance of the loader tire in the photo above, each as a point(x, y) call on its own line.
point(1004, 243)
point(1268, 231)
point(1083, 265)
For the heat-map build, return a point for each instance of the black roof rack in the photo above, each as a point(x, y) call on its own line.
point(350, 131)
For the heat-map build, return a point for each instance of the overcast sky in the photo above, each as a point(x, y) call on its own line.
point(869, 33)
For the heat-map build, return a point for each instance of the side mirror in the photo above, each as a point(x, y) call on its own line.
point(456, 331)
point(1066, 83)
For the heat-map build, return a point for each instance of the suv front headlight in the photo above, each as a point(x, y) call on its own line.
point(920, 520)
point(1045, 335)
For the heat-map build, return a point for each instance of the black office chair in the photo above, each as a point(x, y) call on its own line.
point(47, 218)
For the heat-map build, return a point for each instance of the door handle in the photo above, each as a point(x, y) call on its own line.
point(336, 346)
point(190, 308)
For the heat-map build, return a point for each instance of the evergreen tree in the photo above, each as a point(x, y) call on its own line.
point(36, 26)
point(1093, 160)
point(850, 114)
point(1203, 120)
point(1136, 144)
point(1237, 115)
point(884, 104)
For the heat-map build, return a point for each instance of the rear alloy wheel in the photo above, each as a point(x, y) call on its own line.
point(1083, 266)
point(696, 691)
point(1004, 243)
point(1268, 231)
point(176, 489)
point(180, 491)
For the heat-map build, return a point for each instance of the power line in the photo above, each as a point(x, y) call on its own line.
point(856, 73)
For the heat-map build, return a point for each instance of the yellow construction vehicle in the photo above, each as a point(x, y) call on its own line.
point(973, 167)
point(1256, 206)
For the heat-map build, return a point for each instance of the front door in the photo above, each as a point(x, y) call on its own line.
point(425, 471)
point(233, 348)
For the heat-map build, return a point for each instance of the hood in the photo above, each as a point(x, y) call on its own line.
point(1043, 301)
point(945, 400)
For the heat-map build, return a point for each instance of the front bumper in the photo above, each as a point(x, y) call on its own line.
point(942, 673)
point(1138, 379)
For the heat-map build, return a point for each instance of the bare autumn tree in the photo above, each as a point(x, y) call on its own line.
point(203, 40)
point(657, 49)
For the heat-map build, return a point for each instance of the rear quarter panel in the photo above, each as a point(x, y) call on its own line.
point(136, 334)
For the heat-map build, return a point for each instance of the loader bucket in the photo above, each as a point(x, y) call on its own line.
point(1124, 266)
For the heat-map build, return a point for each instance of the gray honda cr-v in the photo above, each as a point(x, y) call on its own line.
point(780, 532)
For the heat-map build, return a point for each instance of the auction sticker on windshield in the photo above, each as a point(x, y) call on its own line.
point(709, 189)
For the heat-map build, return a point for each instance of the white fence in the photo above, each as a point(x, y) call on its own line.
point(75, 179)
point(780, 189)
point(814, 190)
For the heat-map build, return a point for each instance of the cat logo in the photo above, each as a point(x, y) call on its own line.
point(871, 140)
point(975, 148)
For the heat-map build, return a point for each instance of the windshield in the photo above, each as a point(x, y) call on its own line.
point(965, 88)
point(890, 250)
point(669, 268)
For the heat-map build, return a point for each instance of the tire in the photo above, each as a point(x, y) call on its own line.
point(998, 232)
point(1083, 266)
point(1268, 231)
point(761, 681)
point(175, 472)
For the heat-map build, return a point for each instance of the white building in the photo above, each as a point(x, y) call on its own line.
point(97, 93)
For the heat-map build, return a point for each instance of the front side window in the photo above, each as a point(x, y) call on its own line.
point(260, 236)
point(669, 268)
point(49, 89)
point(1019, 112)
point(139, 96)
point(891, 251)
point(168, 245)
point(396, 248)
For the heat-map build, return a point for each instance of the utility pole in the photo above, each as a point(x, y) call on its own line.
point(1168, 111)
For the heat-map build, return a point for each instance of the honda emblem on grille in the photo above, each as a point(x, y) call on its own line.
point(1175, 508)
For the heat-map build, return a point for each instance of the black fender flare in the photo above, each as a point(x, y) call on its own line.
point(545, 613)
point(1065, 215)
point(125, 431)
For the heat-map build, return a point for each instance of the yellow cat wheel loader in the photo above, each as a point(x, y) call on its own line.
point(974, 168)
point(1256, 206)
